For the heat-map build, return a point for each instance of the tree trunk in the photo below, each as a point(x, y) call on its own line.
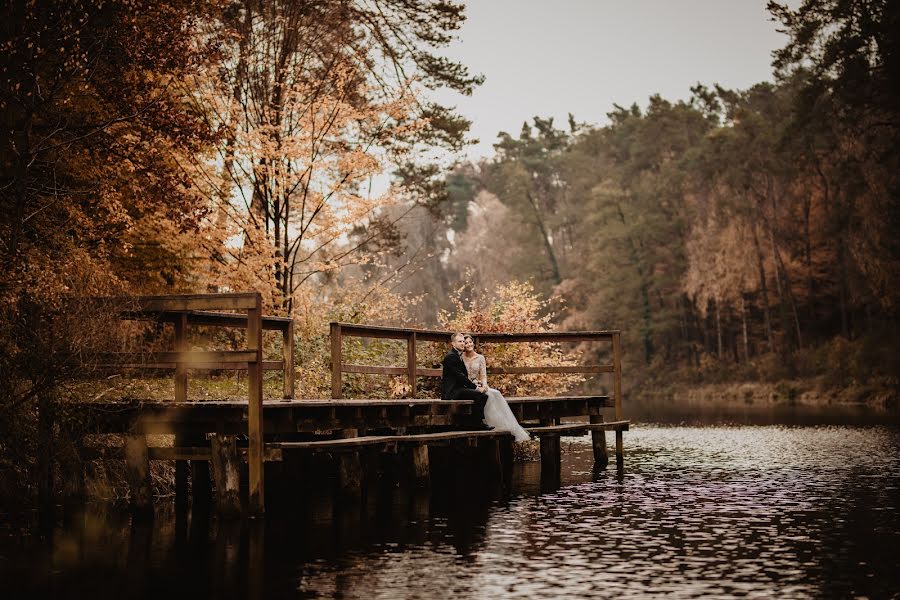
point(842, 287)
point(744, 330)
point(790, 295)
point(779, 289)
point(545, 237)
point(763, 287)
point(718, 331)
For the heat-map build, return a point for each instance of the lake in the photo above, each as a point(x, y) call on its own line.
point(713, 501)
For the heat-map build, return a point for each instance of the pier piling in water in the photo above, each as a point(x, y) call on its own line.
point(137, 469)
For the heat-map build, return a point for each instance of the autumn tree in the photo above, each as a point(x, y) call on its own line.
point(316, 100)
point(91, 122)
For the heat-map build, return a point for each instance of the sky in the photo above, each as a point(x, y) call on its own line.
point(552, 57)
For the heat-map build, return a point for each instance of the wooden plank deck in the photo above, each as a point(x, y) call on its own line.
point(310, 416)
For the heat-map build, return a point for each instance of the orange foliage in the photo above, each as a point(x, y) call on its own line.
point(513, 308)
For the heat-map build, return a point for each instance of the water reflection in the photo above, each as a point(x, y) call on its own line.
point(723, 511)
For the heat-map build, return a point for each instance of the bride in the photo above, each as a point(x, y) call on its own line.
point(497, 413)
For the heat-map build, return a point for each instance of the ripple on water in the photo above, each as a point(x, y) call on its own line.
point(698, 512)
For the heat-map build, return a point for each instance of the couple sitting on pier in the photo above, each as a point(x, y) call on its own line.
point(465, 378)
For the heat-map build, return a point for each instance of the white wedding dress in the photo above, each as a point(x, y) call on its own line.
point(497, 413)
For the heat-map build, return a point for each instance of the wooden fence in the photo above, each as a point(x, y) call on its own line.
point(186, 310)
point(412, 370)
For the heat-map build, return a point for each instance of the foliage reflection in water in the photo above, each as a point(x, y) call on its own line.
point(767, 511)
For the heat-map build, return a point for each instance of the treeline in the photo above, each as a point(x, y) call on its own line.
point(754, 227)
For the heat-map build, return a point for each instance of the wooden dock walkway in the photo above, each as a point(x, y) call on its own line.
point(214, 438)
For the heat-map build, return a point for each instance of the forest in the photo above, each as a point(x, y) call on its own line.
point(169, 146)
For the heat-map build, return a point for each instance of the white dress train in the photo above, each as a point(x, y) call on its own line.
point(497, 413)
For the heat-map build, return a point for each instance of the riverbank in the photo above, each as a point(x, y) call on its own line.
point(878, 394)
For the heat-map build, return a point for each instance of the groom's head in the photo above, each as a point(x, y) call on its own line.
point(458, 341)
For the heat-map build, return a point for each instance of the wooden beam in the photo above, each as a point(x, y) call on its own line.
point(226, 474)
point(220, 319)
point(350, 468)
point(181, 347)
point(617, 373)
point(354, 443)
point(336, 365)
point(201, 483)
point(579, 428)
point(287, 356)
point(255, 459)
point(421, 468)
point(425, 372)
point(617, 394)
point(189, 358)
point(137, 472)
point(157, 304)
point(550, 456)
point(490, 455)
point(598, 442)
point(411, 363)
point(373, 370)
point(566, 369)
point(431, 335)
point(181, 476)
point(268, 365)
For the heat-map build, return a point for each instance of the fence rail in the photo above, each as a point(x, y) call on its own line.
point(412, 370)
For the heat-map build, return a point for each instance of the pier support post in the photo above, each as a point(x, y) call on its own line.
point(181, 477)
point(617, 391)
point(72, 469)
point(421, 469)
point(506, 460)
point(490, 451)
point(201, 485)
point(349, 468)
point(226, 473)
point(620, 449)
point(73, 482)
point(598, 440)
point(137, 470)
point(550, 456)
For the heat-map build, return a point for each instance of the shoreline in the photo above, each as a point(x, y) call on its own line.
point(796, 392)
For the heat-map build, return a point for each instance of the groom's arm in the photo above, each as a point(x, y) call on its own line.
point(456, 369)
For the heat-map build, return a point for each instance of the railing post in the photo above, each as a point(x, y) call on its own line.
point(336, 361)
point(411, 363)
point(617, 390)
point(181, 394)
point(181, 377)
point(255, 408)
point(287, 355)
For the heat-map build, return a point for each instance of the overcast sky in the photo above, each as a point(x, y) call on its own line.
point(552, 57)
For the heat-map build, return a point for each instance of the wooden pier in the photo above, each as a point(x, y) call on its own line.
point(225, 435)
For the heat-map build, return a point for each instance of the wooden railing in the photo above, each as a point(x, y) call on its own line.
point(182, 311)
point(185, 310)
point(412, 336)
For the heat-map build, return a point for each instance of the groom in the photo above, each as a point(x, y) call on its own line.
point(455, 382)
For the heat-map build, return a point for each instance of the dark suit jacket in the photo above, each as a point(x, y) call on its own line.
point(454, 377)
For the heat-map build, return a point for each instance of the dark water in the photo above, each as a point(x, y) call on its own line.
point(803, 504)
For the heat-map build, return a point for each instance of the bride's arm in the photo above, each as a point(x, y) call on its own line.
point(482, 372)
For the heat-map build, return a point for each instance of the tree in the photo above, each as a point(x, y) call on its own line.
point(851, 51)
point(316, 100)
